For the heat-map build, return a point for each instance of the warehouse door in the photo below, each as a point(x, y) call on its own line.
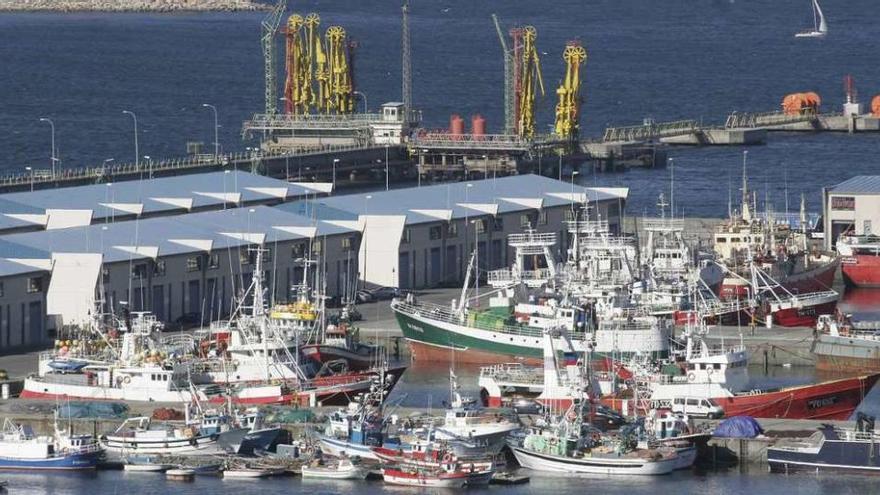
point(435, 268)
point(35, 323)
point(451, 272)
point(159, 302)
point(403, 277)
point(195, 302)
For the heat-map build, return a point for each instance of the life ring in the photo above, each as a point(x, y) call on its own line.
point(447, 458)
point(126, 380)
point(691, 377)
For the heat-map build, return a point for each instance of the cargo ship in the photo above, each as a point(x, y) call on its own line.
point(860, 260)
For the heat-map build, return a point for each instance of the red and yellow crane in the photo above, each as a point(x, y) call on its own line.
point(569, 105)
point(527, 78)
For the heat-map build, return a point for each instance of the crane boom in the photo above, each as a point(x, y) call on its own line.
point(270, 29)
point(509, 102)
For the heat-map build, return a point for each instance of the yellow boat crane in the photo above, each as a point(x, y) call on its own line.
point(528, 73)
point(568, 107)
point(319, 73)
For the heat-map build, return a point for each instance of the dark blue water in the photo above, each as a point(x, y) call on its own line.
point(668, 60)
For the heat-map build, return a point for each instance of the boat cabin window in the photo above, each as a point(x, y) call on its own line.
point(721, 240)
point(678, 401)
point(705, 403)
point(717, 366)
point(692, 402)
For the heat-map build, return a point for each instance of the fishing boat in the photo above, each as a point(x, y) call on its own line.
point(719, 374)
point(343, 469)
point(567, 445)
point(144, 464)
point(355, 430)
point(341, 343)
point(820, 27)
point(466, 422)
point(747, 239)
point(429, 478)
point(260, 365)
point(860, 260)
point(21, 449)
point(841, 344)
point(831, 449)
point(140, 436)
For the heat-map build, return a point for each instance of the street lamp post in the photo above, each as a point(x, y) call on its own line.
point(335, 161)
point(137, 162)
point(560, 165)
point(367, 198)
point(573, 174)
point(54, 158)
point(387, 182)
point(149, 165)
point(216, 132)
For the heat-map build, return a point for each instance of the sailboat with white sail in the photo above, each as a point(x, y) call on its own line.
point(820, 27)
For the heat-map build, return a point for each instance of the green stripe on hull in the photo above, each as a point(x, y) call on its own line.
point(427, 333)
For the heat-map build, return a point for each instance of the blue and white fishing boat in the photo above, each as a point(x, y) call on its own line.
point(831, 449)
point(355, 430)
point(21, 449)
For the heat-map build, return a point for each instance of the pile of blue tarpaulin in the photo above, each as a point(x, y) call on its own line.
point(738, 427)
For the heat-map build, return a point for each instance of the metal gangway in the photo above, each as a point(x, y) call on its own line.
point(468, 142)
point(650, 130)
point(751, 120)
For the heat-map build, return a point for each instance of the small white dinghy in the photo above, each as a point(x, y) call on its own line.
point(244, 473)
point(344, 469)
point(144, 464)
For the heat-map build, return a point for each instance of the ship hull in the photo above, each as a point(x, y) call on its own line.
point(431, 340)
point(803, 317)
point(592, 465)
point(322, 354)
point(861, 270)
point(72, 462)
point(816, 279)
point(840, 353)
point(831, 400)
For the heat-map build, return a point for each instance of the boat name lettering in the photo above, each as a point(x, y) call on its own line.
point(823, 402)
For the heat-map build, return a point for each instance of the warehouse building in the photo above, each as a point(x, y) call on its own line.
point(852, 206)
point(424, 236)
point(184, 268)
point(99, 203)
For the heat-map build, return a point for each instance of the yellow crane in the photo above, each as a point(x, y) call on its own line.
point(530, 74)
point(312, 22)
point(340, 80)
point(568, 107)
point(293, 89)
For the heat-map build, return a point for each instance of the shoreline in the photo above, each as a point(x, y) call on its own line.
point(130, 6)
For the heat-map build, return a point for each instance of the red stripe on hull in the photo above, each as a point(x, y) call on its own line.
point(803, 317)
point(861, 270)
point(426, 352)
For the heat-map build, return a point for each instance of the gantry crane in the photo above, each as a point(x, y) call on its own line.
point(568, 107)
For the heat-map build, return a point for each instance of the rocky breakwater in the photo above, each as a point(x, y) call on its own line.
point(130, 5)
